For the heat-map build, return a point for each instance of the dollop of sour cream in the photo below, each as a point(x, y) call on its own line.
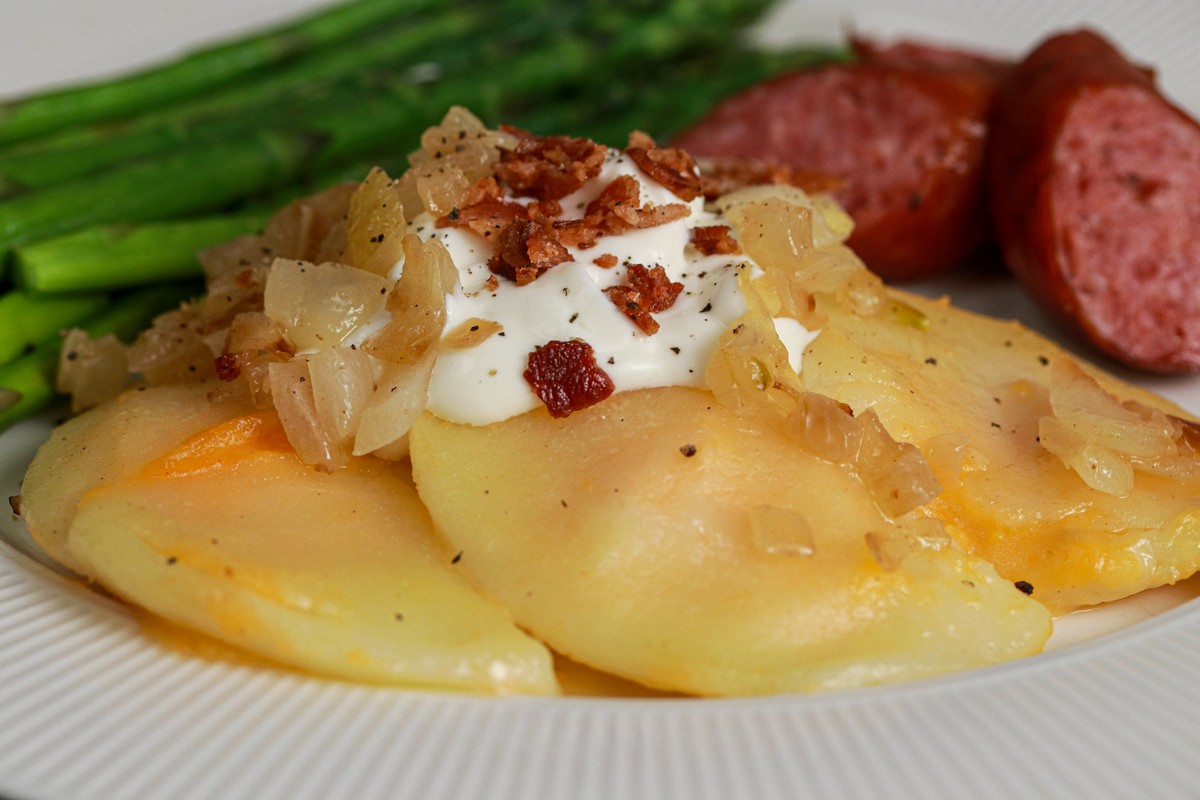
point(484, 384)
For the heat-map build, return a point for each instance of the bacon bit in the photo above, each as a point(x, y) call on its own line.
point(524, 250)
point(647, 292)
point(230, 365)
point(549, 167)
point(484, 210)
point(720, 176)
point(544, 210)
point(615, 211)
point(566, 378)
point(606, 261)
point(715, 240)
point(669, 166)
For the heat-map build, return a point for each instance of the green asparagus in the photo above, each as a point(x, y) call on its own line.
point(27, 318)
point(345, 72)
point(110, 257)
point(206, 176)
point(203, 70)
point(27, 382)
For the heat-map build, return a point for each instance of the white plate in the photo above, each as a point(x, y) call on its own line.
point(89, 708)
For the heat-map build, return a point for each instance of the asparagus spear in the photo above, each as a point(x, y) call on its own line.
point(205, 177)
point(107, 257)
point(350, 69)
point(110, 257)
point(27, 383)
point(200, 71)
point(190, 181)
point(27, 318)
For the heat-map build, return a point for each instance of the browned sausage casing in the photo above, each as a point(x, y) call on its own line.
point(1095, 194)
point(906, 138)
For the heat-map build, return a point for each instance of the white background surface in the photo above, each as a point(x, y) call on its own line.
point(90, 709)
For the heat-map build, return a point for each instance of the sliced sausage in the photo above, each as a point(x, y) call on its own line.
point(1095, 194)
point(906, 138)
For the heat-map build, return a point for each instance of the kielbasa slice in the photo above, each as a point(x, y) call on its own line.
point(907, 139)
point(1095, 195)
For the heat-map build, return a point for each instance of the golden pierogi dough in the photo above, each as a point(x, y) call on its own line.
point(659, 537)
point(108, 443)
point(980, 397)
point(337, 573)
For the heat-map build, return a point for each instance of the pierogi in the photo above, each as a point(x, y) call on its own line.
point(539, 397)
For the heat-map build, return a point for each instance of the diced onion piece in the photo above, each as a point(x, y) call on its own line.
point(311, 228)
point(1100, 468)
point(319, 305)
point(399, 398)
point(783, 531)
point(173, 349)
point(825, 428)
point(91, 371)
point(1083, 405)
point(829, 223)
point(254, 332)
point(749, 372)
point(1104, 439)
point(782, 231)
point(307, 229)
point(292, 394)
point(775, 232)
point(230, 294)
point(375, 224)
point(342, 382)
point(417, 303)
point(897, 473)
point(453, 156)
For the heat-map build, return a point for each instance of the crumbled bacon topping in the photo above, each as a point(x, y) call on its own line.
point(616, 210)
point(669, 166)
point(524, 250)
point(549, 167)
point(566, 378)
point(606, 261)
point(713, 240)
point(484, 210)
point(647, 292)
point(719, 176)
point(230, 365)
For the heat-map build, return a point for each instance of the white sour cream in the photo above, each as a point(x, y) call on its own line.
point(485, 383)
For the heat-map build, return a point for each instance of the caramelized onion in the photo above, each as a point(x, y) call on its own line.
point(173, 349)
point(91, 370)
point(318, 305)
point(749, 372)
point(342, 383)
point(897, 473)
point(397, 401)
point(417, 303)
point(1104, 440)
point(291, 392)
point(453, 156)
point(375, 224)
